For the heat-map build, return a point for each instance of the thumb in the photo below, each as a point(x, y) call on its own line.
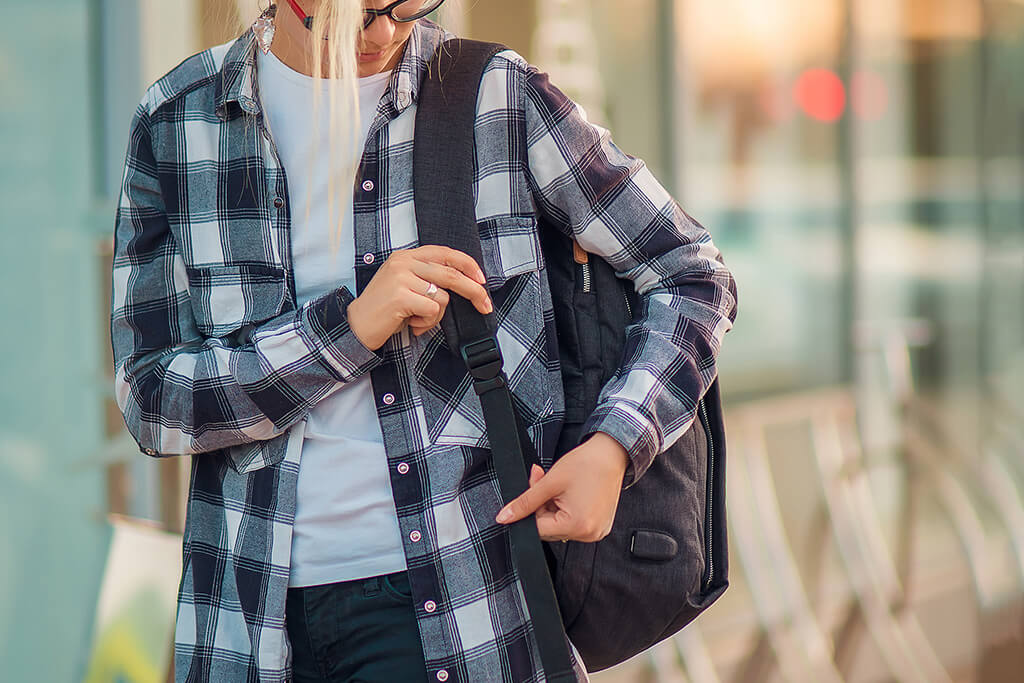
point(536, 472)
point(541, 490)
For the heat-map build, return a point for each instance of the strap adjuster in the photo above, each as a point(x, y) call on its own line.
point(483, 358)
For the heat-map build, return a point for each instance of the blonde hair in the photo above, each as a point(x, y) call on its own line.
point(340, 22)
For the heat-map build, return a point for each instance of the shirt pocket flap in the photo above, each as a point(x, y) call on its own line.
point(509, 247)
point(248, 457)
point(224, 298)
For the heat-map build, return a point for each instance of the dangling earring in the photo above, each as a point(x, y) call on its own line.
point(263, 28)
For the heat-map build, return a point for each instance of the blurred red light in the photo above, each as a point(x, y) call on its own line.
point(820, 94)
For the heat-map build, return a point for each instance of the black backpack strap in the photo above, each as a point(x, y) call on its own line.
point(443, 167)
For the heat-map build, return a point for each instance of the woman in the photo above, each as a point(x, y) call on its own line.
point(343, 521)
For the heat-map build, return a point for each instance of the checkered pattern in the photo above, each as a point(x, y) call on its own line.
point(214, 360)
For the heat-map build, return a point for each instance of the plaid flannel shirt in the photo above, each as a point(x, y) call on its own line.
point(214, 360)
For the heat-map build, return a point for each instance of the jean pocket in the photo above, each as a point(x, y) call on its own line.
point(397, 586)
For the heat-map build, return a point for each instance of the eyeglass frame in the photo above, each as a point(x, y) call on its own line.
point(307, 20)
point(374, 13)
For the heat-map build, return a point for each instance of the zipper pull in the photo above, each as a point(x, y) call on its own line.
point(579, 254)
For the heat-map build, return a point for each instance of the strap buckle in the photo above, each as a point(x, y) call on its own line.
point(483, 358)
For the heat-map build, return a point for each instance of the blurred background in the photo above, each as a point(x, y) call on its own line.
point(860, 163)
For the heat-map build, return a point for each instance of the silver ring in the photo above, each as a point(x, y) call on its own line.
point(431, 289)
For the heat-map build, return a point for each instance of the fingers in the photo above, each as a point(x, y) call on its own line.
point(421, 323)
point(396, 294)
point(450, 257)
point(541, 490)
point(536, 472)
point(453, 270)
point(559, 511)
point(416, 304)
point(555, 525)
point(552, 524)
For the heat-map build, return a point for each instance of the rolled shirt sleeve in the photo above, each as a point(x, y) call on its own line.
point(612, 205)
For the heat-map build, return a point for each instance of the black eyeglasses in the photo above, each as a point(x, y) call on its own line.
point(401, 11)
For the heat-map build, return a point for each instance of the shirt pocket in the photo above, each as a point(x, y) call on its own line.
point(512, 263)
point(227, 297)
point(248, 457)
point(509, 247)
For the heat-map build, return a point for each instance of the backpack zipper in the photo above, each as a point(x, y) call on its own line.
point(586, 276)
point(580, 256)
point(708, 520)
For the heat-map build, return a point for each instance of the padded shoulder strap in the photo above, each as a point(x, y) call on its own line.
point(443, 167)
point(443, 164)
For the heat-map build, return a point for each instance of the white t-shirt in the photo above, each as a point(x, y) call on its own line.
point(346, 526)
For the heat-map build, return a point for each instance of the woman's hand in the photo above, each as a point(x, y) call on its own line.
point(576, 499)
point(397, 292)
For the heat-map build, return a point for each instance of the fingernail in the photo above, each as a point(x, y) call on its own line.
point(490, 307)
point(504, 515)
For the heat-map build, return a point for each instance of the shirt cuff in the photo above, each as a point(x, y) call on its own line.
point(636, 435)
point(323, 323)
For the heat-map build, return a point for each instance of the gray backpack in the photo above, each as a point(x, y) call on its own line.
point(665, 560)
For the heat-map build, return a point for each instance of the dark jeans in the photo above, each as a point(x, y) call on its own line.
point(355, 631)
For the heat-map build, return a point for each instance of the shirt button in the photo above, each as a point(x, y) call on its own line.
point(442, 675)
point(368, 185)
point(403, 467)
point(368, 258)
point(278, 202)
point(389, 398)
point(430, 606)
point(414, 536)
point(150, 451)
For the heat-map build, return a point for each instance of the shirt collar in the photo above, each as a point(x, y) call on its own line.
point(236, 80)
